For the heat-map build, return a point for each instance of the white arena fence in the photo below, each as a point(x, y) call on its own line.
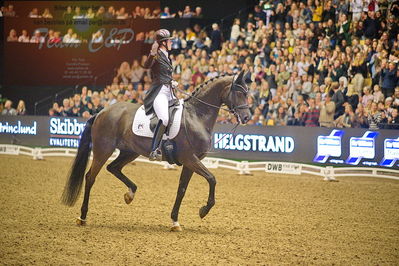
point(243, 167)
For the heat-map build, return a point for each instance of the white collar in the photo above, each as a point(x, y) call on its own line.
point(165, 53)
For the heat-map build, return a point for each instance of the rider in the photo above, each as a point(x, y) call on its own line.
point(158, 96)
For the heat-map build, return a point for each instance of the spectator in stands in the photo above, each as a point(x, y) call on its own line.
point(55, 110)
point(280, 118)
point(374, 116)
point(136, 73)
point(166, 13)
point(327, 112)
point(78, 14)
point(186, 12)
point(46, 13)
point(389, 78)
point(123, 73)
point(311, 116)
point(24, 37)
point(393, 120)
point(96, 105)
point(67, 37)
point(68, 14)
point(12, 36)
point(34, 13)
point(21, 109)
point(89, 13)
point(338, 99)
point(8, 110)
point(378, 96)
point(216, 37)
point(370, 26)
point(51, 112)
point(56, 38)
point(348, 119)
point(97, 37)
point(37, 37)
point(367, 97)
point(66, 109)
point(121, 14)
point(357, 7)
point(198, 12)
point(9, 12)
point(100, 13)
point(395, 102)
point(235, 31)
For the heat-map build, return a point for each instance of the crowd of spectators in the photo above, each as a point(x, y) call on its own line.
point(6, 107)
point(110, 12)
point(313, 63)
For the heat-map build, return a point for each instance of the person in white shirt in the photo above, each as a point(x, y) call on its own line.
point(357, 7)
point(37, 37)
point(97, 37)
point(68, 36)
point(24, 37)
point(235, 30)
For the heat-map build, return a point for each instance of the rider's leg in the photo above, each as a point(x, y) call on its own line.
point(161, 103)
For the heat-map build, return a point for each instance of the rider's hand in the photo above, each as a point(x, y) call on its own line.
point(154, 48)
point(174, 84)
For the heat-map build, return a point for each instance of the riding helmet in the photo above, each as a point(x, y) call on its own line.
point(162, 35)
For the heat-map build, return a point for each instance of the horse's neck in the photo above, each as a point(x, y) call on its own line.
point(210, 94)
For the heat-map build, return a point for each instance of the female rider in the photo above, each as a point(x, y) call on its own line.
point(158, 96)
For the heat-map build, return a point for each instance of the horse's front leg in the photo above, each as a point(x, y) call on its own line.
point(185, 178)
point(198, 167)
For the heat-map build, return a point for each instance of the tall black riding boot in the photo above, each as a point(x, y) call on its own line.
point(156, 154)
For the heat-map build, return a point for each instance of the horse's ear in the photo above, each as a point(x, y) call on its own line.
point(240, 76)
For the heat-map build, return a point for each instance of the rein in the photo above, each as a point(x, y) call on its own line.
point(232, 110)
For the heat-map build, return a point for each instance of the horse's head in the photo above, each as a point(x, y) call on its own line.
point(236, 99)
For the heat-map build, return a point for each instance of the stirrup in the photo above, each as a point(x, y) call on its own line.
point(155, 155)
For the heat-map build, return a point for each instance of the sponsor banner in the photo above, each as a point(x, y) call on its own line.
point(329, 146)
point(353, 146)
point(283, 168)
point(11, 150)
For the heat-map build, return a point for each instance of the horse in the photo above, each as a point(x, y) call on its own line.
point(112, 129)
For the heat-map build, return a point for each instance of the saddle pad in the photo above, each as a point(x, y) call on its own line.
point(141, 123)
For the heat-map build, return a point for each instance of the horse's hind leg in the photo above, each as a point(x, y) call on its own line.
point(115, 168)
point(96, 165)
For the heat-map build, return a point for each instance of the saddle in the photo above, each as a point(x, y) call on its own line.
point(144, 125)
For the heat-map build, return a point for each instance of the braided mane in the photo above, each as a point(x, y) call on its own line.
point(197, 90)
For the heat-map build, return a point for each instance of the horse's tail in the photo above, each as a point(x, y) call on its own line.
point(76, 174)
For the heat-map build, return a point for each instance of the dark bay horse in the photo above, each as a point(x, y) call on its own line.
point(112, 129)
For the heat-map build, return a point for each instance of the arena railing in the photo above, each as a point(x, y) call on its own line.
point(329, 173)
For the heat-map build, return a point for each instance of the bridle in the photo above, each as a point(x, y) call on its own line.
point(237, 88)
point(234, 87)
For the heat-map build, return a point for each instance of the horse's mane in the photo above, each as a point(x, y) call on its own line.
point(197, 90)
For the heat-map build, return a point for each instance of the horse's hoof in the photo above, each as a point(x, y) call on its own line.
point(80, 221)
point(129, 196)
point(203, 211)
point(176, 228)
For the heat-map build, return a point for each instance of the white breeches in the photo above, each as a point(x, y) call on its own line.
point(161, 104)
